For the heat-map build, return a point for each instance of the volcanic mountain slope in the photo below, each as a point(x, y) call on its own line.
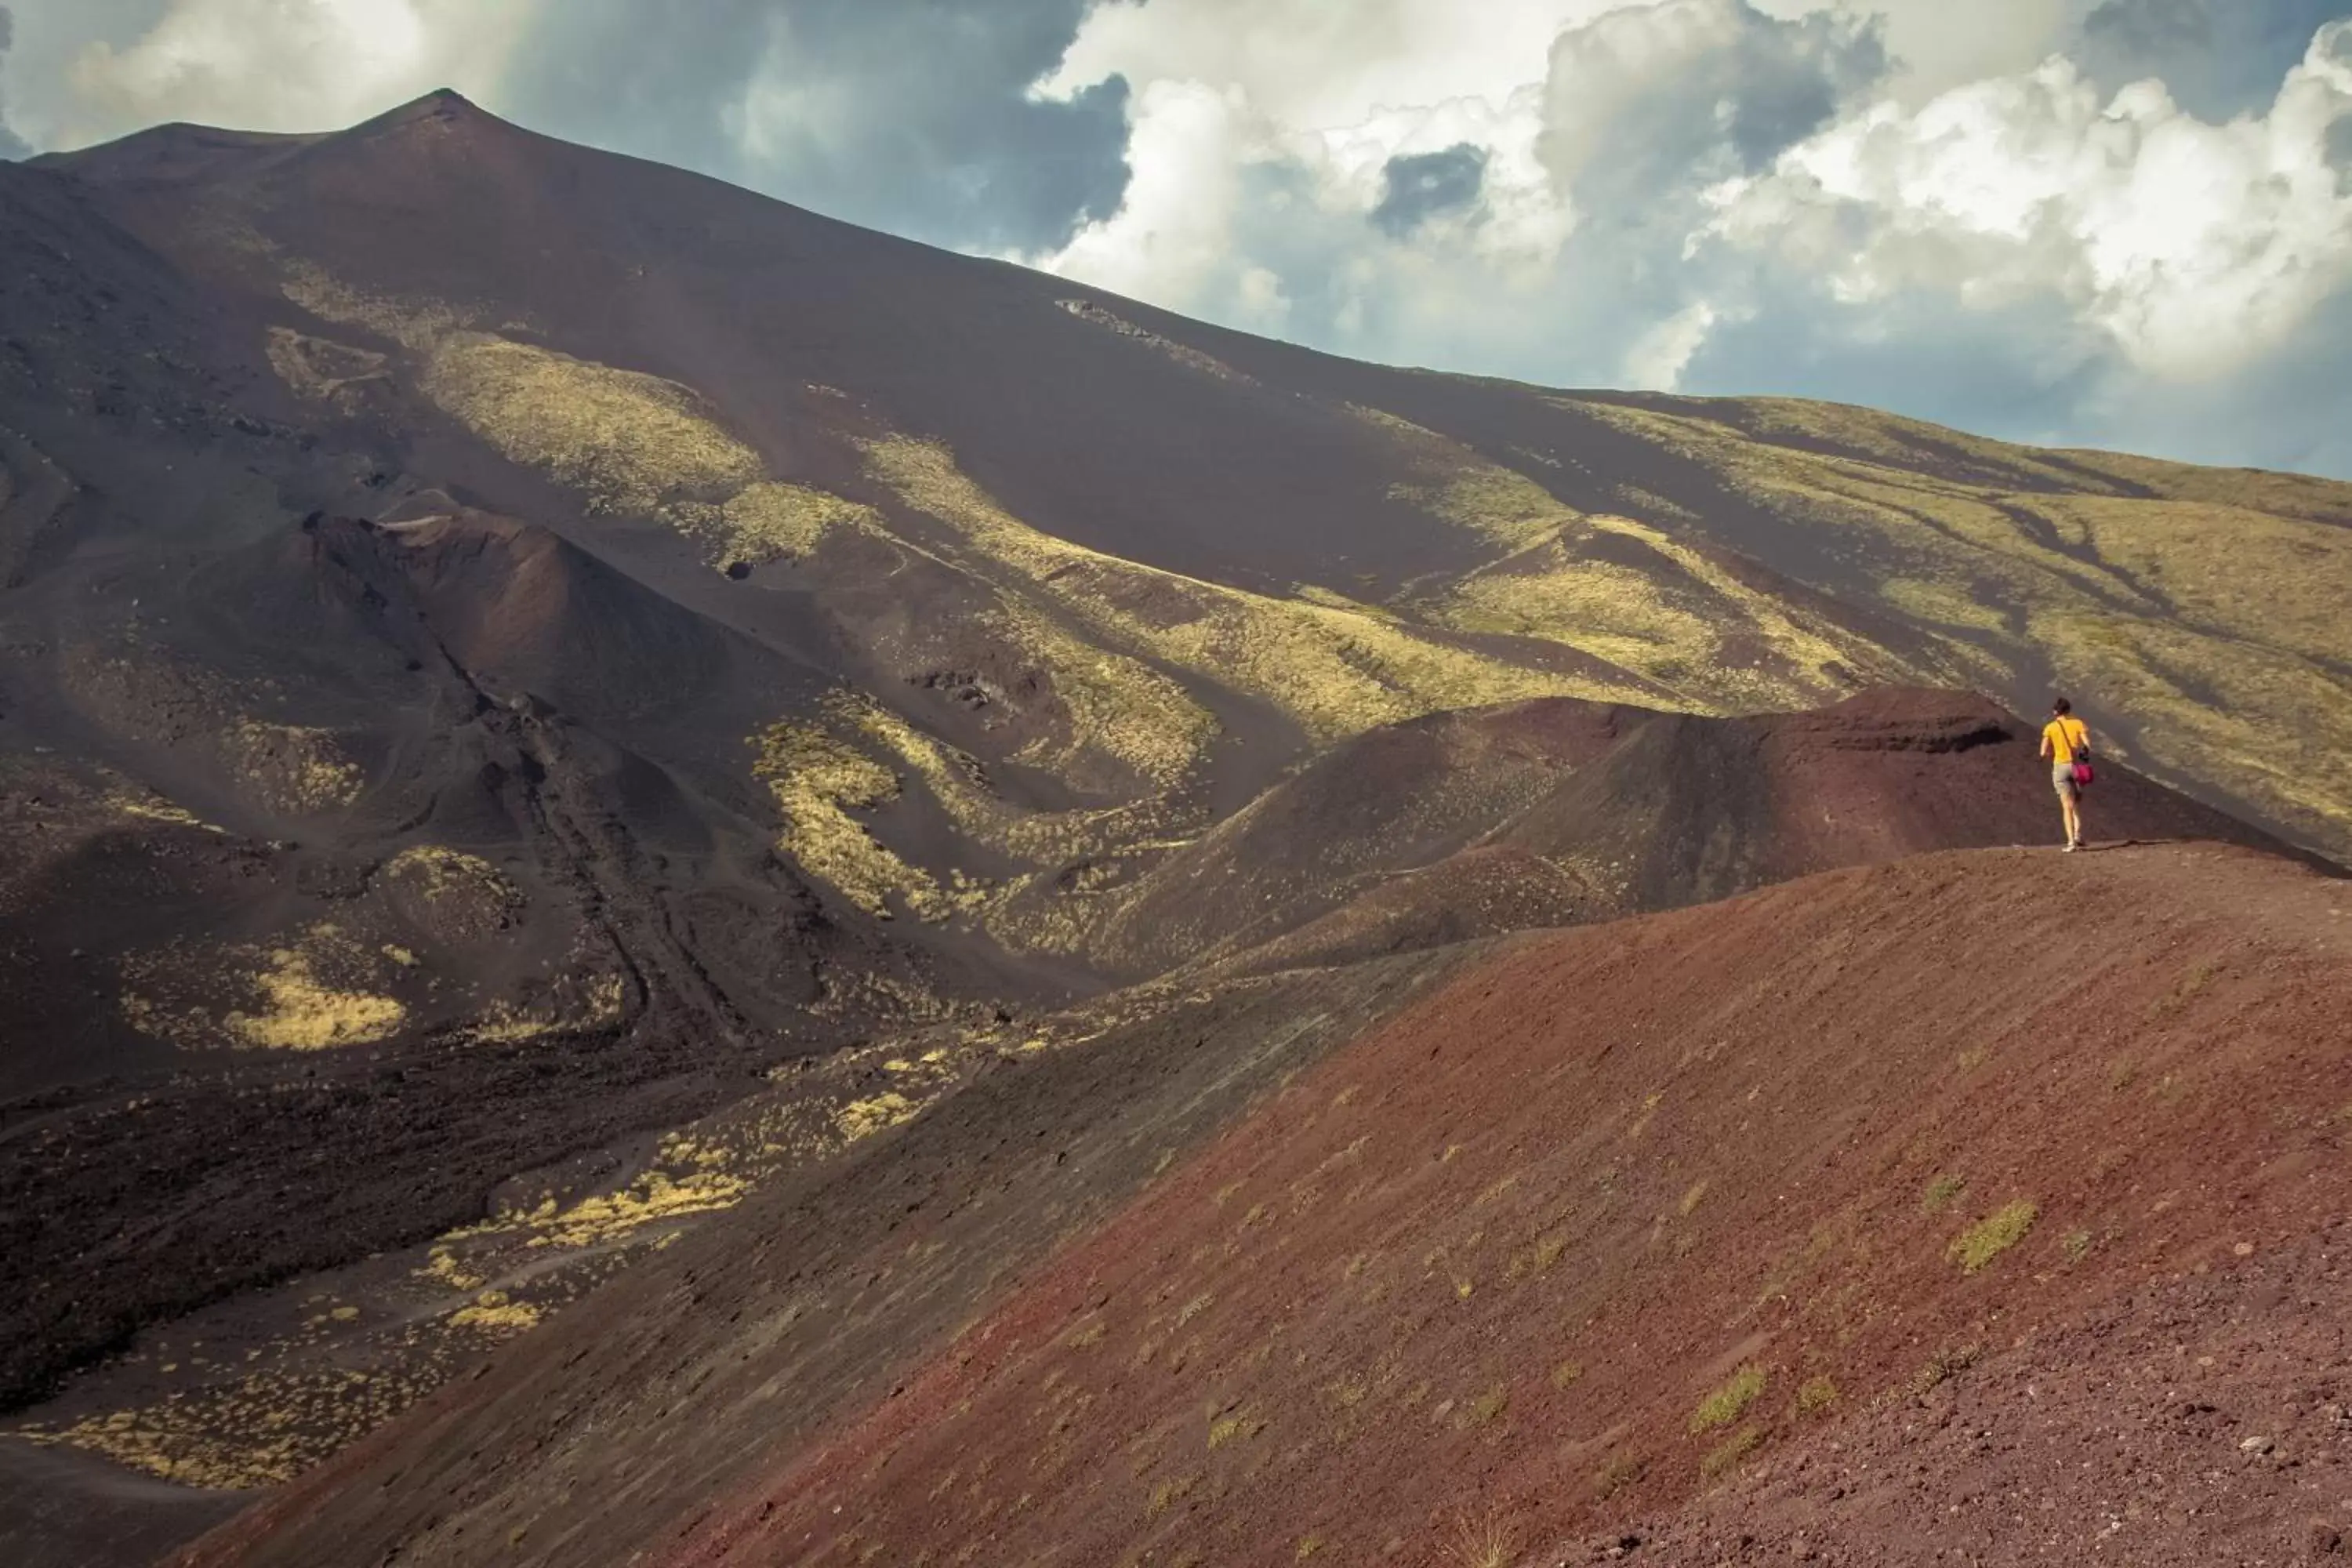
point(1413, 836)
point(508, 651)
point(961, 511)
point(679, 372)
point(1961, 1159)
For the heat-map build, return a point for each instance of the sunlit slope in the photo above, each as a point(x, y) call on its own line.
point(2199, 609)
point(1609, 1218)
point(1089, 575)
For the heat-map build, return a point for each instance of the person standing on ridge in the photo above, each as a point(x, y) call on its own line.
point(2066, 742)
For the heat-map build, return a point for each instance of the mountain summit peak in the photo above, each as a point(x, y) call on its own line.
point(444, 103)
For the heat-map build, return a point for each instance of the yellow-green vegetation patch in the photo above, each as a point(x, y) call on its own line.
point(2221, 566)
point(1332, 599)
point(260, 1431)
point(1889, 438)
point(632, 443)
point(1680, 620)
point(1233, 1428)
point(1993, 1235)
point(439, 872)
point(575, 1001)
point(415, 323)
point(1727, 1403)
point(318, 368)
point(629, 441)
point(2303, 495)
point(1815, 1396)
point(1167, 1494)
point(1119, 707)
point(655, 1196)
point(300, 1010)
point(317, 991)
point(1944, 604)
point(1488, 1406)
point(864, 1118)
point(771, 520)
point(1940, 1193)
point(818, 780)
point(497, 1312)
point(148, 806)
point(451, 893)
point(1568, 1374)
point(1119, 703)
point(960, 784)
point(293, 767)
point(1335, 671)
point(1500, 504)
point(273, 1424)
point(442, 1266)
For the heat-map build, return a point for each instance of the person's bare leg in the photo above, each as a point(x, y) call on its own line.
point(2066, 809)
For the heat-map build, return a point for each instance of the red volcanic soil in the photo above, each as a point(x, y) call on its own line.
point(1639, 1229)
point(1560, 812)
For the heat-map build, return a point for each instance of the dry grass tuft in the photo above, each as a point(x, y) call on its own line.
point(1618, 1474)
point(1730, 1451)
point(1487, 1406)
point(1727, 1403)
point(1993, 1235)
point(1485, 1541)
point(1940, 1369)
point(1167, 1495)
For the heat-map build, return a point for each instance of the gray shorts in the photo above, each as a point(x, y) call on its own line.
point(2062, 779)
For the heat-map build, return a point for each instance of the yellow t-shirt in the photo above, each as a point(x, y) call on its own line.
point(2066, 736)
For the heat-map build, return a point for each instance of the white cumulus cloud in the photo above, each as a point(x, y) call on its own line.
point(1521, 211)
point(2196, 246)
